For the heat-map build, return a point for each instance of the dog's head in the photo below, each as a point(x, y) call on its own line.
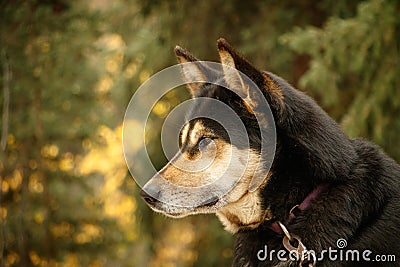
point(214, 169)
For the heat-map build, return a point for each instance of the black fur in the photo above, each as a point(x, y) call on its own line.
point(362, 203)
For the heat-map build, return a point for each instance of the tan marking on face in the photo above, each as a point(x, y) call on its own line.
point(196, 132)
point(184, 133)
point(192, 135)
point(191, 176)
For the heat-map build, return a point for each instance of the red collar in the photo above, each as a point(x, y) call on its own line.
point(300, 207)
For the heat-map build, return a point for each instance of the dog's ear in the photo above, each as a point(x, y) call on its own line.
point(233, 63)
point(192, 70)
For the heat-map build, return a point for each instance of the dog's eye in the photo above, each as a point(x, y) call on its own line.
point(204, 141)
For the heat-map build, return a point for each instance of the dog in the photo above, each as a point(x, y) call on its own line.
point(323, 187)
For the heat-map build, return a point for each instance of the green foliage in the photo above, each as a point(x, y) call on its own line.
point(354, 70)
point(62, 88)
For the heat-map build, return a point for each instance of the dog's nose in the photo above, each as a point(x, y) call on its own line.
point(150, 194)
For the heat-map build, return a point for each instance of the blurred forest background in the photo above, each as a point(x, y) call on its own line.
point(69, 68)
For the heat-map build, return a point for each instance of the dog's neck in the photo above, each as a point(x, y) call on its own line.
point(298, 208)
point(247, 213)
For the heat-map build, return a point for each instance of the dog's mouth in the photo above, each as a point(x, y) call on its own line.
point(210, 202)
point(180, 212)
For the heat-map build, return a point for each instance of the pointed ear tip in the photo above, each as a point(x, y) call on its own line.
point(221, 39)
point(222, 43)
point(179, 51)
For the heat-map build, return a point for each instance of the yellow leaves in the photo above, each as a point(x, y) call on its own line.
point(63, 229)
point(114, 62)
point(111, 41)
point(33, 164)
point(130, 70)
point(3, 213)
point(34, 257)
point(15, 180)
point(107, 133)
point(104, 85)
point(119, 206)
point(108, 160)
point(35, 185)
point(70, 260)
point(114, 45)
point(88, 233)
point(53, 160)
point(95, 263)
point(133, 134)
point(51, 165)
point(111, 185)
point(12, 258)
point(49, 151)
point(87, 144)
point(162, 108)
point(12, 182)
point(122, 208)
point(175, 247)
point(4, 186)
point(38, 217)
point(125, 205)
point(144, 75)
point(67, 162)
point(10, 140)
point(36, 260)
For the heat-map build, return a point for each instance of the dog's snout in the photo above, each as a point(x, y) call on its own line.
point(150, 194)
